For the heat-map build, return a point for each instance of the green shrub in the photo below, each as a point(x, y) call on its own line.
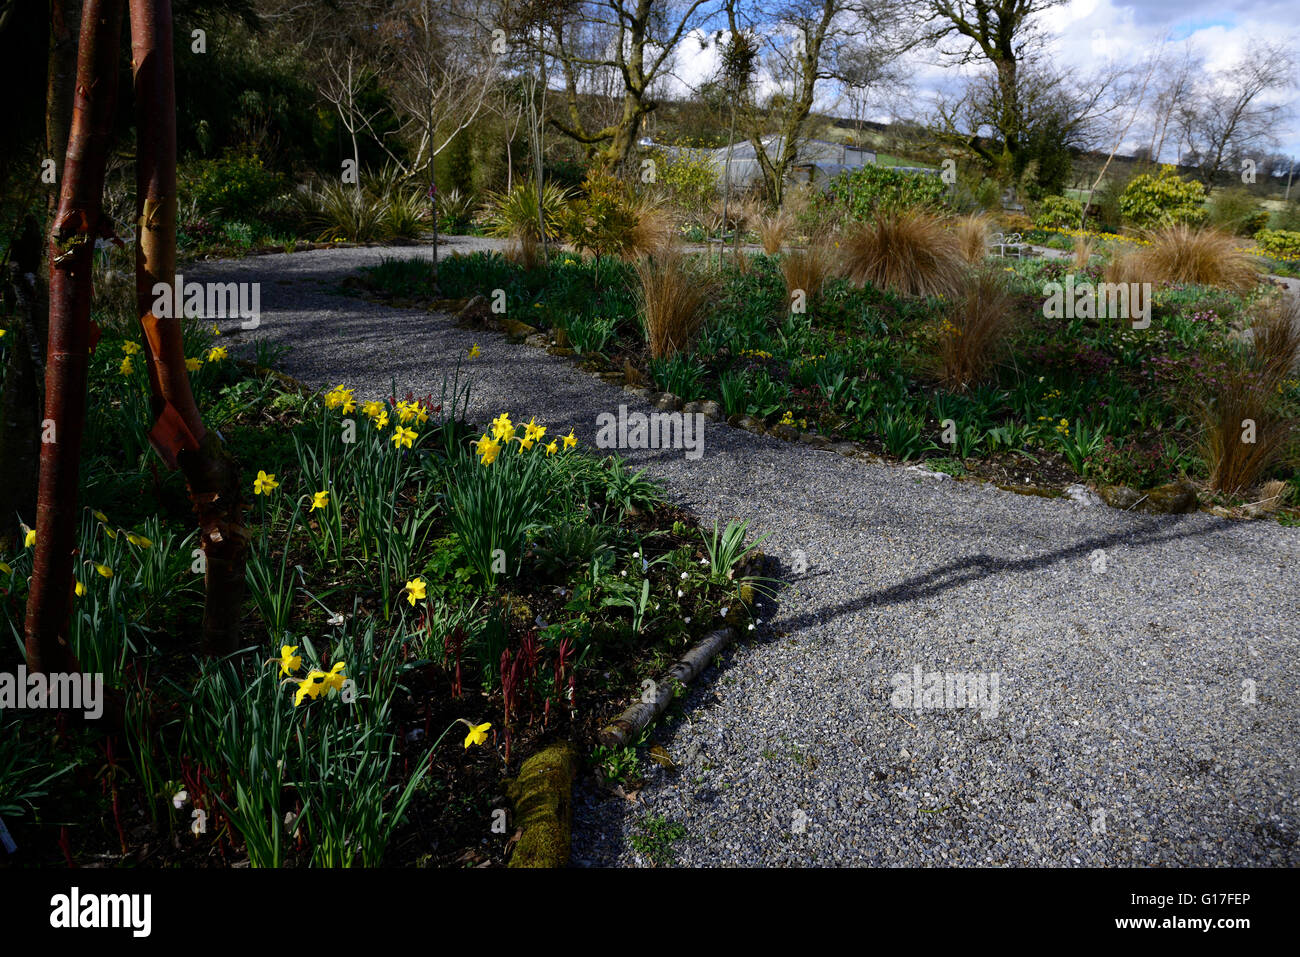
point(1236, 211)
point(1151, 201)
point(236, 187)
point(514, 214)
point(602, 219)
point(1058, 212)
point(864, 193)
point(1279, 243)
point(689, 179)
point(1288, 217)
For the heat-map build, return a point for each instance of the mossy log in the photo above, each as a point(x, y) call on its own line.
point(542, 795)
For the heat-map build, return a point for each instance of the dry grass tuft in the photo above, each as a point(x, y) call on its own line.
point(1083, 247)
point(524, 250)
point(975, 329)
point(807, 269)
point(1246, 432)
point(1272, 496)
point(671, 298)
point(652, 230)
point(973, 235)
point(772, 229)
point(1187, 254)
point(912, 253)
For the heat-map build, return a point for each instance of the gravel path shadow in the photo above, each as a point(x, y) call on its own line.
point(1146, 713)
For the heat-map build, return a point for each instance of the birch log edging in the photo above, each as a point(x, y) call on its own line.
point(635, 719)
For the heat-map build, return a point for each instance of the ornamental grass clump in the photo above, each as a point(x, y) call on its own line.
point(910, 252)
point(1189, 255)
point(1246, 430)
point(671, 301)
point(974, 329)
point(806, 271)
point(973, 237)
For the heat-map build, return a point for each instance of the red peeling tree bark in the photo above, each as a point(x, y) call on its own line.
point(178, 434)
point(78, 222)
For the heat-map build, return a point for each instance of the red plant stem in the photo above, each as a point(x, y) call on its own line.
point(72, 246)
point(65, 845)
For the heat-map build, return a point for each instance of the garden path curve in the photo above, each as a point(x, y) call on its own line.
point(1148, 713)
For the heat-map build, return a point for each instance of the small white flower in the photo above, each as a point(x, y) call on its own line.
point(636, 554)
point(644, 564)
point(179, 798)
point(683, 576)
point(336, 618)
point(680, 593)
point(687, 619)
point(751, 626)
point(623, 573)
point(724, 611)
point(704, 561)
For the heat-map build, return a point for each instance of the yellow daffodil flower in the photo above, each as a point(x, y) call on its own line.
point(525, 444)
point(503, 430)
point(264, 483)
point(406, 411)
point(131, 348)
point(333, 681)
point(138, 540)
point(381, 420)
point(290, 660)
point(104, 571)
point(570, 440)
point(372, 408)
point(6, 568)
point(477, 734)
point(319, 500)
point(487, 448)
point(99, 516)
point(80, 589)
point(126, 368)
point(310, 687)
point(415, 590)
point(552, 448)
point(30, 538)
point(475, 351)
point(217, 354)
point(534, 431)
point(193, 364)
point(402, 438)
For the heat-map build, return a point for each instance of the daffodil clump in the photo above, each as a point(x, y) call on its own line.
point(316, 683)
point(504, 431)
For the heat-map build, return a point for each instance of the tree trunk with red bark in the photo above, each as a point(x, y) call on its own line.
point(77, 224)
point(178, 434)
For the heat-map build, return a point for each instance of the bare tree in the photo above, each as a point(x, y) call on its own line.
point(1179, 72)
point(1002, 34)
point(1230, 114)
point(629, 46)
point(801, 41)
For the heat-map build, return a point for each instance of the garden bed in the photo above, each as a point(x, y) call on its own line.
point(501, 587)
point(1069, 401)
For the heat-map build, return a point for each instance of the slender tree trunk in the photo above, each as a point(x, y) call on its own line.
point(61, 72)
point(72, 247)
point(178, 434)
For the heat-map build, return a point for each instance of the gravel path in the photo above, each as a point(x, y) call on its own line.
point(1147, 713)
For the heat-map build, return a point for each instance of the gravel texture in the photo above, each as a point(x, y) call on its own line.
point(1147, 713)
